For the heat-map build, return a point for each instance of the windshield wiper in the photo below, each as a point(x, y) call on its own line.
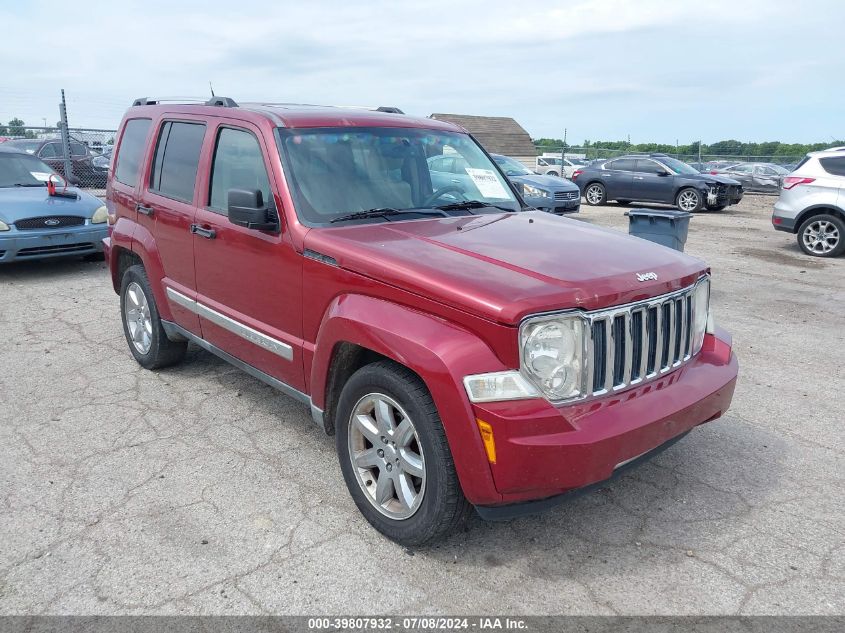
point(471, 204)
point(381, 212)
point(29, 184)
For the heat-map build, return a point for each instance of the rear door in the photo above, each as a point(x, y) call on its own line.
point(617, 177)
point(167, 207)
point(648, 184)
point(249, 282)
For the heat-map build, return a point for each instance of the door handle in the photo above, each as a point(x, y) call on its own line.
point(638, 177)
point(456, 181)
point(208, 234)
point(140, 208)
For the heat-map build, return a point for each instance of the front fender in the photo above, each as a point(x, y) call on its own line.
point(437, 351)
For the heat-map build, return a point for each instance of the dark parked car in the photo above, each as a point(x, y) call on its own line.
point(546, 193)
point(51, 152)
point(759, 177)
point(656, 178)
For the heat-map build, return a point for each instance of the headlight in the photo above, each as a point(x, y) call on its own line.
point(552, 355)
point(533, 192)
point(3, 226)
point(100, 215)
point(700, 313)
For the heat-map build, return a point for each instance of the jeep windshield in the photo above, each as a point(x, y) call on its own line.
point(337, 172)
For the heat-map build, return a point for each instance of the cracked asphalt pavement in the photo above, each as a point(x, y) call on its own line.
point(199, 490)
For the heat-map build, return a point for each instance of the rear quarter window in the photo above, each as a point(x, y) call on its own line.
point(834, 165)
point(130, 153)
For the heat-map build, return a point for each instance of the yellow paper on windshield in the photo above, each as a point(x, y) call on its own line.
point(487, 183)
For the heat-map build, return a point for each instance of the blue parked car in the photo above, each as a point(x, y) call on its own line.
point(36, 225)
point(546, 193)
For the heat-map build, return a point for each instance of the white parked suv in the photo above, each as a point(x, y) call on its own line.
point(812, 203)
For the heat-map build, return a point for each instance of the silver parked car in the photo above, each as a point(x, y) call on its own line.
point(812, 203)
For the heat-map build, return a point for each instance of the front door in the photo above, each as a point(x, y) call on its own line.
point(249, 282)
point(649, 184)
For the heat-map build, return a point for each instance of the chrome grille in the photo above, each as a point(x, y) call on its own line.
point(637, 342)
point(567, 195)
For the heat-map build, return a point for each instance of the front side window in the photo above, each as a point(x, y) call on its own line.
point(513, 167)
point(338, 171)
point(649, 167)
point(50, 150)
point(174, 170)
point(131, 151)
point(238, 164)
point(78, 149)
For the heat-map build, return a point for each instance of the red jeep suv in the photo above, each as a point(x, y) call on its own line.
point(464, 349)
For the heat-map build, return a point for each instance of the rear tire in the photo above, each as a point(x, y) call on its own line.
point(395, 458)
point(142, 326)
point(822, 236)
point(595, 194)
point(689, 200)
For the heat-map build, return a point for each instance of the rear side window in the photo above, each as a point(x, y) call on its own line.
point(835, 166)
point(177, 157)
point(50, 150)
point(622, 164)
point(131, 151)
point(78, 149)
point(238, 164)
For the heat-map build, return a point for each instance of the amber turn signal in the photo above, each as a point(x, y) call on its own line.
point(487, 437)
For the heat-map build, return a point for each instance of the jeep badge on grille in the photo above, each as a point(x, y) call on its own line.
point(646, 276)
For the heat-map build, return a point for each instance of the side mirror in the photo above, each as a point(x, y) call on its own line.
point(663, 172)
point(247, 209)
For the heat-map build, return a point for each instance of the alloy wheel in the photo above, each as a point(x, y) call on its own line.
point(138, 321)
point(688, 201)
point(821, 237)
point(594, 194)
point(387, 456)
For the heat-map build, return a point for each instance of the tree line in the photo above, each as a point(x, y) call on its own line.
point(721, 148)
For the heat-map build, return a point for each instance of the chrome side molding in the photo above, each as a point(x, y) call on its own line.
point(247, 333)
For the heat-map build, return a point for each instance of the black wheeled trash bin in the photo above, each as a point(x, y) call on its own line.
point(668, 228)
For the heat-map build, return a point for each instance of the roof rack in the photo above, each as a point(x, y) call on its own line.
point(224, 102)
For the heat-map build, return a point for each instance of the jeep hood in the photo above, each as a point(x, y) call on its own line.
point(506, 266)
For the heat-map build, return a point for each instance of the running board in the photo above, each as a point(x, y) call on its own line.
point(176, 332)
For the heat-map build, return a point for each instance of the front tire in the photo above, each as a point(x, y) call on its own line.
point(689, 200)
point(142, 326)
point(595, 194)
point(395, 458)
point(822, 236)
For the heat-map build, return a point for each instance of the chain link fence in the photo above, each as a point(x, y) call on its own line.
point(90, 151)
point(703, 162)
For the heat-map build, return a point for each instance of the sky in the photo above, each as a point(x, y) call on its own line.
point(655, 70)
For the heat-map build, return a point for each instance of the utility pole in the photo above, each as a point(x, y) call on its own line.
point(699, 152)
point(65, 138)
point(563, 154)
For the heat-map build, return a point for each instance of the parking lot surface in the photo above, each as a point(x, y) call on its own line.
point(197, 489)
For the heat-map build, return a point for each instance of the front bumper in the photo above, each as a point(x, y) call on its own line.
point(25, 245)
point(550, 205)
point(545, 451)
